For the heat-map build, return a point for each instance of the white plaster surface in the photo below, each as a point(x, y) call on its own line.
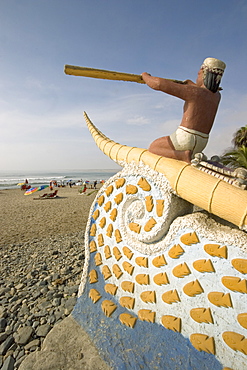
point(166, 233)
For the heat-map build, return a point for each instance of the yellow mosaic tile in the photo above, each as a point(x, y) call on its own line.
point(150, 224)
point(93, 230)
point(128, 286)
point(118, 198)
point(128, 267)
point(201, 314)
point(176, 251)
point(92, 246)
point(102, 222)
point(142, 261)
point(94, 295)
point(159, 207)
point(108, 307)
point(215, 250)
point(135, 227)
point(96, 214)
point(171, 322)
point(146, 315)
point(107, 252)
point(242, 319)
point(149, 203)
point(171, 297)
point(127, 302)
point(235, 284)
point(148, 296)
point(127, 252)
point(111, 289)
point(193, 288)
point(109, 190)
point(203, 266)
point(203, 342)
point(93, 277)
point(98, 259)
point(127, 319)
point(142, 279)
point(144, 185)
point(117, 253)
point(159, 261)
point(189, 238)
point(220, 299)
point(181, 270)
point(113, 214)
point(161, 279)
point(109, 230)
point(106, 272)
point(100, 240)
point(107, 206)
point(240, 264)
point(117, 271)
point(235, 341)
point(119, 183)
point(101, 200)
point(118, 236)
point(131, 189)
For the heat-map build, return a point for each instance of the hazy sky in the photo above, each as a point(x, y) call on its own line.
point(41, 108)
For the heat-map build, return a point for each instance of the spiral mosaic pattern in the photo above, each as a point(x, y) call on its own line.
point(190, 284)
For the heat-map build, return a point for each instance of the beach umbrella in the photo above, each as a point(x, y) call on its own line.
point(41, 187)
point(33, 190)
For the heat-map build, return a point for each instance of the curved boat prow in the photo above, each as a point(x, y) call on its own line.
point(201, 189)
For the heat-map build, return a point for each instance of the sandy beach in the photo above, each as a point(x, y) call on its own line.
point(41, 261)
point(24, 219)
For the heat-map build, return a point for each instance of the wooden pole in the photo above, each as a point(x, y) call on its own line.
point(104, 74)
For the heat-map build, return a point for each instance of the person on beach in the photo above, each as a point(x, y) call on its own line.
point(201, 103)
point(83, 189)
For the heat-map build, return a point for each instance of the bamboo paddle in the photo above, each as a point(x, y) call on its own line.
point(104, 74)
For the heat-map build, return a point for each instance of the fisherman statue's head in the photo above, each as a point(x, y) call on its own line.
point(213, 70)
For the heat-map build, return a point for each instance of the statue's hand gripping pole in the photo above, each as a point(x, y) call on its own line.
point(104, 74)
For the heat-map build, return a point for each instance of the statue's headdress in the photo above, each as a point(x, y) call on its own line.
point(213, 70)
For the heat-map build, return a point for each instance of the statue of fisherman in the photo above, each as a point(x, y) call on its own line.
point(201, 103)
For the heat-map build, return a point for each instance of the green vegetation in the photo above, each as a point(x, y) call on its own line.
point(237, 156)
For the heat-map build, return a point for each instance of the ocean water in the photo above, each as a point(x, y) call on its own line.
point(9, 180)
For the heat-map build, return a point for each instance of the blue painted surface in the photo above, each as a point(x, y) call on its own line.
point(146, 346)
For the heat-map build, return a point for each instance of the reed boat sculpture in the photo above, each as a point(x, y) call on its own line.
point(164, 285)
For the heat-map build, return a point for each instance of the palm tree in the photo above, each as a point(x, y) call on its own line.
point(240, 137)
point(236, 157)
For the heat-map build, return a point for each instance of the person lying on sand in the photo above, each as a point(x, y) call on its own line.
point(47, 195)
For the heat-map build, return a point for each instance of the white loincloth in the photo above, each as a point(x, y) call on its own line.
point(187, 139)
